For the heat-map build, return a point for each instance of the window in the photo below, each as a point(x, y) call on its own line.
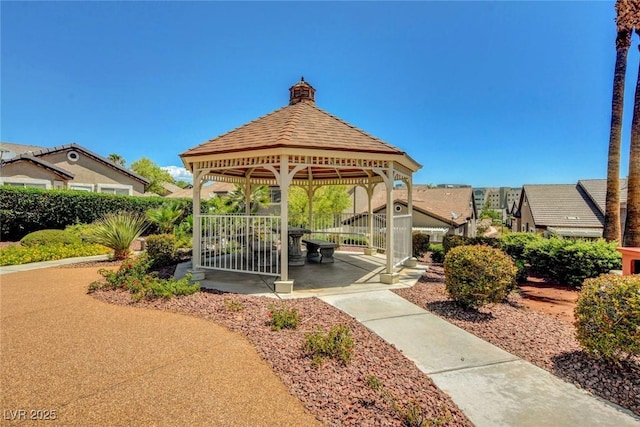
point(73, 156)
point(81, 187)
point(120, 190)
point(274, 195)
point(26, 182)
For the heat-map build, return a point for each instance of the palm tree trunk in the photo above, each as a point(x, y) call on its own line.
point(632, 227)
point(612, 205)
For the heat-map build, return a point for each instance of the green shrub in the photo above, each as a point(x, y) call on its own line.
point(165, 216)
point(449, 242)
point(522, 275)
point(514, 244)
point(82, 231)
point(420, 243)
point(478, 275)
point(233, 305)
point(133, 275)
point(161, 248)
point(16, 255)
point(283, 317)
point(24, 210)
point(437, 253)
point(571, 261)
point(46, 237)
point(608, 317)
point(118, 230)
point(337, 344)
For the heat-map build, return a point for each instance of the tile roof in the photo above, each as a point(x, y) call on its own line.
point(206, 192)
point(562, 205)
point(597, 191)
point(301, 125)
point(437, 202)
point(40, 163)
point(16, 149)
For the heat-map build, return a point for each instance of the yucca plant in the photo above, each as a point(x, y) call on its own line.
point(118, 230)
point(165, 216)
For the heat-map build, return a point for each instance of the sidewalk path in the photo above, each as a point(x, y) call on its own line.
point(492, 387)
point(95, 363)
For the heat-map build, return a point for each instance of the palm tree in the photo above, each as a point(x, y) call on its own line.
point(632, 226)
point(165, 217)
point(237, 203)
point(623, 41)
point(117, 159)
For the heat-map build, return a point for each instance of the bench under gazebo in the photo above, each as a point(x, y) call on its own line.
point(297, 145)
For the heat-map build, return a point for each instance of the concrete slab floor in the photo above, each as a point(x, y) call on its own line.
point(351, 272)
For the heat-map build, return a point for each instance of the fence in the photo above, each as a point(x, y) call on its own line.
point(344, 228)
point(402, 240)
point(251, 244)
point(241, 243)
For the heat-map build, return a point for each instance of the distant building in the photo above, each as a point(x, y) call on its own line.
point(497, 198)
point(566, 210)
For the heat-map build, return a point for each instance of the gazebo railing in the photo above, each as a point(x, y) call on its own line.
point(244, 243)
point(401, 239)
point(344, 228)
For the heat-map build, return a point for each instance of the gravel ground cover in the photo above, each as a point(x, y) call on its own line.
point(336, 394)
point(539, 338)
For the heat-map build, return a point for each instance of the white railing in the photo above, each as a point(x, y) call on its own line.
point(344, 228)
point(246, 243)
point(401, 239)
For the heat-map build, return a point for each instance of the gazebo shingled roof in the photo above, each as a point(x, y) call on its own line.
point(300, 128)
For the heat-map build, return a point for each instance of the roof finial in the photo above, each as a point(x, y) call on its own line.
point(302, 78)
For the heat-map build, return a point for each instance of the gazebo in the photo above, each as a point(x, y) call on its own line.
point(296, 145)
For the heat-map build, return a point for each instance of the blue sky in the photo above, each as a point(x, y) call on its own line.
point(482, 93)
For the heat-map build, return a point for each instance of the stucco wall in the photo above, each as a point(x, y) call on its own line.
point(26, 170)
point(89, 171)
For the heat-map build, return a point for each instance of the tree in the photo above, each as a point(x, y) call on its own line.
point(165, 217)
point(327, 200)
point(182, 184)
point(117, 159)
point(156, 176)
point(236, 201)
point(612, 204)
point(632, 226)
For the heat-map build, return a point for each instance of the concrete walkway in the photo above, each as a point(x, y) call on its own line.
point(492, 387)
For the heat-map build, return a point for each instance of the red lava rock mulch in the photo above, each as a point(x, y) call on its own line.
point(539, 338)
point(336, 394)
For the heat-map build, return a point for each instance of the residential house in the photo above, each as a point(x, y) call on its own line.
point(567, 210)
point(69, 166)
point(436, 211)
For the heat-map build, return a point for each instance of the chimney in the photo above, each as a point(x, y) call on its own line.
point(301, 92)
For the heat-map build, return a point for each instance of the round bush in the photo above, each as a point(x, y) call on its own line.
point(161, 248)
point(47, 237)
point(608, 316)
point(478, 275)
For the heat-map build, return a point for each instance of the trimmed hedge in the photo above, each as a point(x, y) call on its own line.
point(24, 210)
point(572, 261)
point(566, 261)
point(420, 243)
